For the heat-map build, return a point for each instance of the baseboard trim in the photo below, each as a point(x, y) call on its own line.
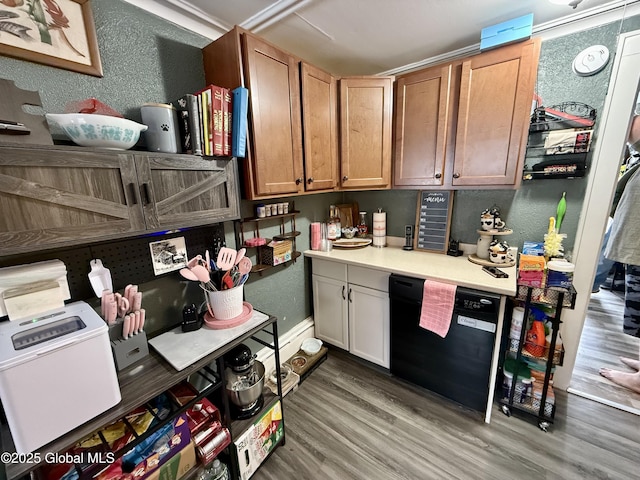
point(604, 401)
point(289, 344)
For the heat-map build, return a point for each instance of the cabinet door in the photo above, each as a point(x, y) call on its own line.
point(320, 127)
point(330, 311)
point(55, 197)
point(184, 190)
point(423, 120)
point(496, 91)
point(273, 80)
point(369, 324)
point(365, 132)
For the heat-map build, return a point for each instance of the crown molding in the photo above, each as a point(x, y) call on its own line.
point(594, 17)
point(185, 15)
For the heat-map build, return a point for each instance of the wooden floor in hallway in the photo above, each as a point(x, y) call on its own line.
point(350, 421)
point(602, 343)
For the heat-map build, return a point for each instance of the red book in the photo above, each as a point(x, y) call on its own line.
point(217, 106)
point(226, 123)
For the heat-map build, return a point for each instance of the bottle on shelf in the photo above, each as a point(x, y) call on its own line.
point(536, 338)
point(336, 219)
point(217, 471)
point(332, 226)
point(363, 229)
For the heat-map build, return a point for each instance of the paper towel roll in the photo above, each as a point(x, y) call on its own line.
point(379, 229)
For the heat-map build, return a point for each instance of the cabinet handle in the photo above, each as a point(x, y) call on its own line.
point(456, 175)
point(343, 297)
point(134, 193)
point(298, 181)
point(345, 178)
point(147, 193)
point(310, 180)
point(350, 296)
point(438, 175)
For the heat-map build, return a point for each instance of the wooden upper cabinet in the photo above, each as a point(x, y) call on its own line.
point(365, 132)
point(273, 80)
point(424, 106)
point(496, 92)
point(53, 197)
point(320, 127)
point(465, 123)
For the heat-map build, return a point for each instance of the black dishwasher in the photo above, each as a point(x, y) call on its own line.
point(458, 366)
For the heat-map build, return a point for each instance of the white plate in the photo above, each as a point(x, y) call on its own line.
point(352, 242)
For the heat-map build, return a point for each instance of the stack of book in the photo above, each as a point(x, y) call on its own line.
point(213, 121)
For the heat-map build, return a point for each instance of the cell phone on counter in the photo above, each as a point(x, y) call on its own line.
point(495, 272)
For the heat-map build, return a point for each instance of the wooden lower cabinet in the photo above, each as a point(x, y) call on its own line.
point(351, 309)
point(53, 197)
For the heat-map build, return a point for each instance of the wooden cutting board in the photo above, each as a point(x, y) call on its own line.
point(13, 98)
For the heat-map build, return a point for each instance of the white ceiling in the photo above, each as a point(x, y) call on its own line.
point(365, 37)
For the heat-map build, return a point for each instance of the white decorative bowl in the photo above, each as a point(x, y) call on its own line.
point(311, 346)
point(103, 131)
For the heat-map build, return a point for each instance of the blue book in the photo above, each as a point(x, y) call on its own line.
point(239, 122)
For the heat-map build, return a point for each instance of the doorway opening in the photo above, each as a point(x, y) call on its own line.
point(600, 340)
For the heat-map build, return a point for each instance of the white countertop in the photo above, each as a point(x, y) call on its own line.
point(420, 264)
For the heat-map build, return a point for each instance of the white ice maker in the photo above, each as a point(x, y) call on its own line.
point(56, 372)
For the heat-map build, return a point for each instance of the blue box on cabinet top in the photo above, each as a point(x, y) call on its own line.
point(513, 30)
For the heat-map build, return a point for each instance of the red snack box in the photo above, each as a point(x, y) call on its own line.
point(201, 414)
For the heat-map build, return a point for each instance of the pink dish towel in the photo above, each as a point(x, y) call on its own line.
point(437, 307)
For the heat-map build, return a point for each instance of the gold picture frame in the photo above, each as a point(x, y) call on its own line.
point(58, 33)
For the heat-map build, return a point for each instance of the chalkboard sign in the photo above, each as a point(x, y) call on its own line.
point(433, 221)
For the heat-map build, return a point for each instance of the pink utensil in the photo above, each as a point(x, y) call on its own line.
point(126, 327)
point(226, 258)
point(208, 259)
point(188, 274)
point(136, 328)
point(137, 302)
point(244, 265)
point(240, 255)
point(194, 261)
point(142, 315)
point(203, 276)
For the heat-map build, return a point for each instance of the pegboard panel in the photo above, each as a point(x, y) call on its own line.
point(129, 260)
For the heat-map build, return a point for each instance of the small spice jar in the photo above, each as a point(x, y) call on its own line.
point(280, 208)
point(261, 210)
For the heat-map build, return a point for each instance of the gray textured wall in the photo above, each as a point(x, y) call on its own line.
point(147, 59)
point(144, 59)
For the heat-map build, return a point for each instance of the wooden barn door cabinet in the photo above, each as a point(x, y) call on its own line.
point(53, 197)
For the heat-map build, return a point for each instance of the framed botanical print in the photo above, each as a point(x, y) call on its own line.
point(59, 33)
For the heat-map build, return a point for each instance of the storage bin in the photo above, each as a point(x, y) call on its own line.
point(514, 30)
point(276, 252)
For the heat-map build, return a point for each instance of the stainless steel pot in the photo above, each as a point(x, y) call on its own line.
point(244, 388)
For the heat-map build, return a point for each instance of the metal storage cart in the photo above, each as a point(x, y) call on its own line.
point(519, 397)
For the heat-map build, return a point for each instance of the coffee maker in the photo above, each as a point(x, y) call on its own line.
point(244, 382)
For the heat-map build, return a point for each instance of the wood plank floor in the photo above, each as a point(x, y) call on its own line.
point(601, 345)
point(350, 421)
